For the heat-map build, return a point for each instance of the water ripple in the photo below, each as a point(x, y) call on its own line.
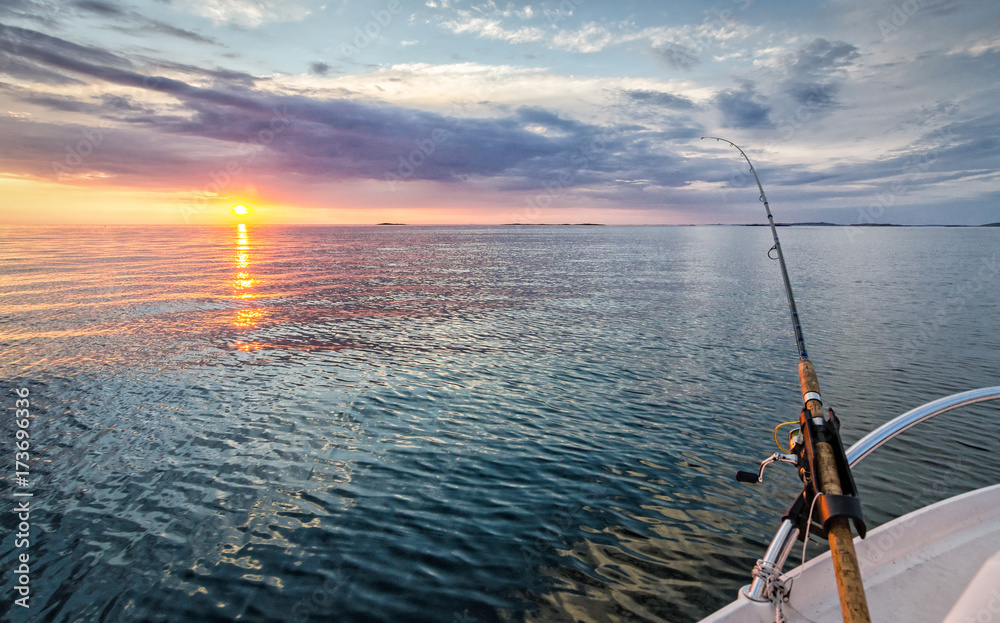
point(460, 424)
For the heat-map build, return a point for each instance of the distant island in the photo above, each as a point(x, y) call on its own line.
point(391, 223)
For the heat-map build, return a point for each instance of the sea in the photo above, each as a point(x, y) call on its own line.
point(457, 424)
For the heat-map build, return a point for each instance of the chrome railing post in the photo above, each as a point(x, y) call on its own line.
point(773, 560)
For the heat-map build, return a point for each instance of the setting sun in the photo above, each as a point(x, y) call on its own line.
point(241, 210)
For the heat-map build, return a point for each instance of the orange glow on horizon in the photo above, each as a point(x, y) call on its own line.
point(32, 201)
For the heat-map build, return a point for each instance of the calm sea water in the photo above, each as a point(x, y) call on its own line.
point(460, 424)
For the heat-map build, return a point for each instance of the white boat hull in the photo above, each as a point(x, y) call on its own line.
point(939, 563)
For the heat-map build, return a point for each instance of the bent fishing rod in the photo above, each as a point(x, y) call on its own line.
point(818, 452)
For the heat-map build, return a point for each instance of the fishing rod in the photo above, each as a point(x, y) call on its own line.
point(800, 342)
point(818, 452)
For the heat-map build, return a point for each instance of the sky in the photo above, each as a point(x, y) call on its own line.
point(455, 111)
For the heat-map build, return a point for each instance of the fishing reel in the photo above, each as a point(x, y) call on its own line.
point(813, 510)
point(791, 456)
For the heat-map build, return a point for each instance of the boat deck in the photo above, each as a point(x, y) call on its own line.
point(916, 568)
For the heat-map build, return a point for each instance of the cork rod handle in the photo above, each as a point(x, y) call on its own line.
point(853, 602)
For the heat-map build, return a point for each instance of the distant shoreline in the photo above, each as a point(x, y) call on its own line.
point(824, 224)
point(182, 225)
point(802, 224)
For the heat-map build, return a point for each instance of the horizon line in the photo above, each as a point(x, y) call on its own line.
point(587, 224)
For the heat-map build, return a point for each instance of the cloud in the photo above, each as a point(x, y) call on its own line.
point(743, 108)
point(225, 75)
point(101, 8)
point(659, 98)
point(677, 45)
point(123, 103)
point(43, 13)
point(489, 28)
point(55, 102)
point(815, 72)
point(587, 39)
point(310, 138)
point(677, 56)
point(129, 22)
point(22, 41)
point(139, 25)
point(126, 157)
point(319, 68)
point(37, 57)
point(820, 57)
point(247, 13)
point(143, 26)
point(978, 48)
point(964, 149)
point(16, 61)
point(548, 119)
point(19, 68)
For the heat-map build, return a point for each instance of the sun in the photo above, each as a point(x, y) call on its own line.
point(241, 210)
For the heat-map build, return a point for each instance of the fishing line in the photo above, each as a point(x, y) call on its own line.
point(800, 342)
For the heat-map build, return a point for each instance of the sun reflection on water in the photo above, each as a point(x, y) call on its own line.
point(242, 246)
point(243, 281)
